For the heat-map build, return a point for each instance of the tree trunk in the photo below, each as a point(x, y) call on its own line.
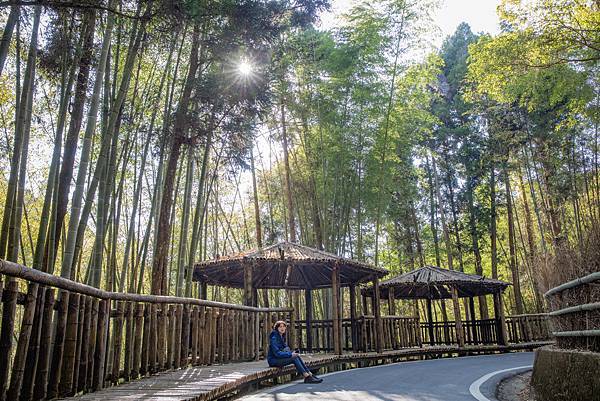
point(11, 223)
point(432, 212)
point(180, 129)
point(182, 268)
point(68, 159)
point(13, 17)
point(493, 231)
point(69, 259)
point(483, 308)
point(449, 255)
point(511, 243)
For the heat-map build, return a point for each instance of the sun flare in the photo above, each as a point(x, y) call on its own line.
point(245, 67)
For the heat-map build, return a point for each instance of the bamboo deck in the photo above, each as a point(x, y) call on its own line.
point(215, 381)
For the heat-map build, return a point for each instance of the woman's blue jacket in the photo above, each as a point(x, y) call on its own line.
point(278, 349)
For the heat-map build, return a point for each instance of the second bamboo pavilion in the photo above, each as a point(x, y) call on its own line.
point(431, 283)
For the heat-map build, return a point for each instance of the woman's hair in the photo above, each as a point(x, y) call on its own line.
point(279, 323)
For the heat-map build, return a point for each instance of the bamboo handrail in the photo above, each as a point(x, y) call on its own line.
point(18, 271)
point(590, 278)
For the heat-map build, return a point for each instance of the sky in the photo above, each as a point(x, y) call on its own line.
point(479, 14)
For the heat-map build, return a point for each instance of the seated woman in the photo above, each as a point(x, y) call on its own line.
point(281, 355)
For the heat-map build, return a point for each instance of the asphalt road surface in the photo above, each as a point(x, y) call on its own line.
point(431, 380)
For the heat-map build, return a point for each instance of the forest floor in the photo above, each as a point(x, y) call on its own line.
point(516, 388)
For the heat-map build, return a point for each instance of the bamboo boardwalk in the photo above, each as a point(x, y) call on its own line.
point(215, 381)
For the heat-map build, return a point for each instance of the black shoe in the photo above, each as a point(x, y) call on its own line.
point(311, 379)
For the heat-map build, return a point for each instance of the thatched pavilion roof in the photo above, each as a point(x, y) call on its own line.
point(430, 282)
point(285, 265)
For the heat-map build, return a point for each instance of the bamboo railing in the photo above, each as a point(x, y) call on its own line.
point(475, 332)
point(398, 332)
point(73, 338)
point(529, 327)
point(575, 313)
point(520, 329)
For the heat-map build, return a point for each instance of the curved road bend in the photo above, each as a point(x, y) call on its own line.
point(431, 380)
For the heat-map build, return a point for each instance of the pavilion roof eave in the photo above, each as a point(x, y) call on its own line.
point(308, 268)
point(430, 282)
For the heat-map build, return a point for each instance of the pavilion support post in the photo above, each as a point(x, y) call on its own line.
point(293, 302)
point(460, 335)
point(248, 290)
point(353, 327)
point(308, 300)
point(500, 319)
point(377, 313)
point(335, 284)
point(430, 322)
point(203, 290)
point(391, 302)
point(473, 320)
point(365, 304)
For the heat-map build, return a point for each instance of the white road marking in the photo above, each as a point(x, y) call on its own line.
point(474, 389)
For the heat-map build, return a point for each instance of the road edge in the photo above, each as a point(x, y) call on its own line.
point(498, 376)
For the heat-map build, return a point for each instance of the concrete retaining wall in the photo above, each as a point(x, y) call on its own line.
point(566, 375)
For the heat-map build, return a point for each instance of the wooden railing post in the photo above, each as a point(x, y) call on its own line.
point(139, 340)
point(170, 337)
point(8, 322)
point(84, 345)
point(33, 352)
point(127, 354)
point(161, 338)
point(194, 328)
point(144, 364)
point(59, 341)
point(256, 321)
point(117, 342)
point(101, 336)
point(177, 352)
point(185, 335)
point(203, 338)
point(18, 369)
point(41, 377)
point(153, 348)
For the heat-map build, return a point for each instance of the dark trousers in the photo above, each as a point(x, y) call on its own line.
point(298, 362)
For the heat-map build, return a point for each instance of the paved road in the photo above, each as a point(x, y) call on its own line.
point(432, 380)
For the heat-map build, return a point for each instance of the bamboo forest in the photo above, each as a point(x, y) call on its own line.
point(156, 154)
